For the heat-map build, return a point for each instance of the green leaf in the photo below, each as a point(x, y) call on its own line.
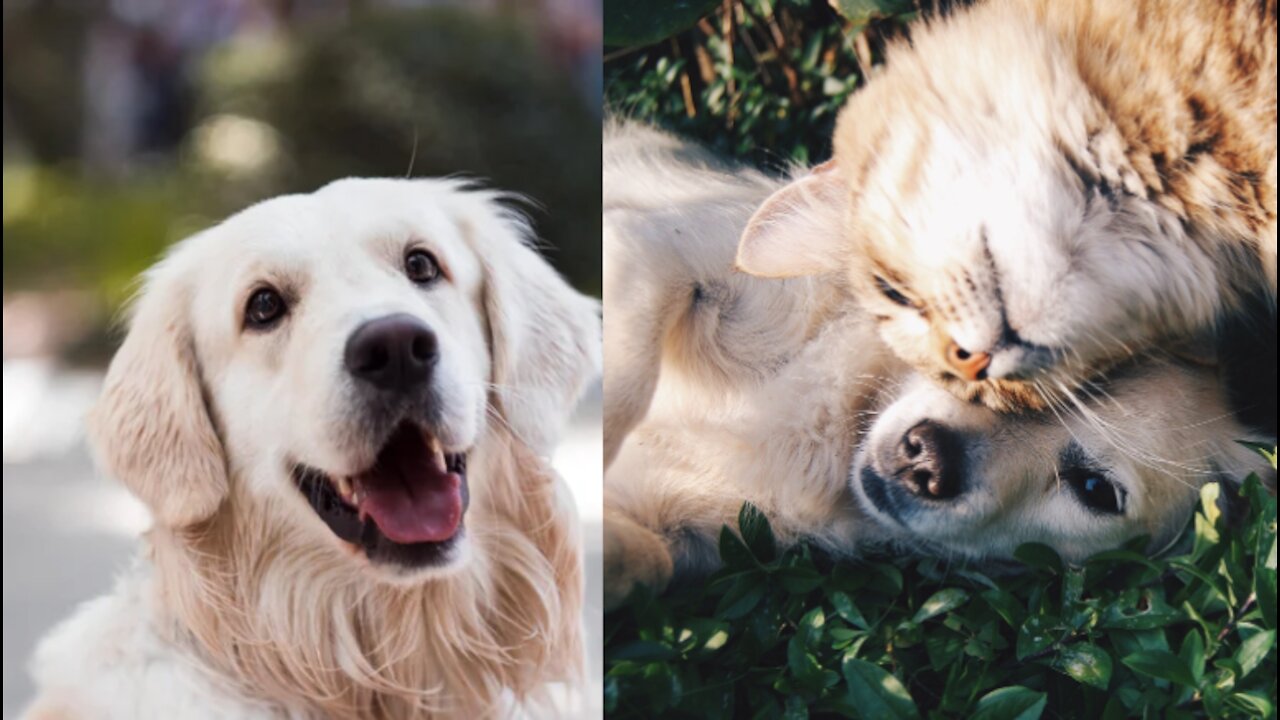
point(1039, 555)
point(861, 12)
point(795, 709)
point(1207, 518)
point(640, 22)
point(943, 648)
point(1085, 663)
point(1112, 556)
point(876, 693)
point(1188, 566)
point(847, 610)
point(1008, 607)
point(802, 663)
point(643, 651)
point(809, 629)
point(742, 597)
point(890, 575)
point(798, 580)
point(1162, 665)
point(1253, 702)
point(663, 682)
point(1010, 703)
point(1192, 653)
point(1264, 587)
point(757, 533)
point(941, 602)
point(1148, 611)
point(733, 552)
point(1254, 649)
point(1035, 635)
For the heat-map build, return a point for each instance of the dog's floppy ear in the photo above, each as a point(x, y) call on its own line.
point(797, 230)
point(544, 335)
point(151, 427)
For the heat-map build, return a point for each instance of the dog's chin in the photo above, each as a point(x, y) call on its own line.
point(404, 514)
point(873, 494)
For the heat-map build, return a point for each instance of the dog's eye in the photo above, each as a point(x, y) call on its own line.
point(421, 267)
point(892, 293)
point(264, 309)
point(1096, 492)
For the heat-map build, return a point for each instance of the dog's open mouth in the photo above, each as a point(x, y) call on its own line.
point(406, 509)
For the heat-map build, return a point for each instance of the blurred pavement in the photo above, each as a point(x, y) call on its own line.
point(68, 531)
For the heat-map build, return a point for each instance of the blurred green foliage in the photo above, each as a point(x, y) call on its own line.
point(63, 230)
point(791, 634)
point(427, 92)
point(435, 91)
point(760, 80)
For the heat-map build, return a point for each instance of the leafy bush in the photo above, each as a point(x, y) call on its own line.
point(793, 634)
point(757, 79)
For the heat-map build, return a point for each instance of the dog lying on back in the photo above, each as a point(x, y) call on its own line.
point(1032, 191)
point(781, 393)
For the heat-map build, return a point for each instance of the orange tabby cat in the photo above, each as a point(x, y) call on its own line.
point(1032, 191)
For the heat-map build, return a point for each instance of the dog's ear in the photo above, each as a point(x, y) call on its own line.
point(797, 230)
point(151, 427)
point(544, 335)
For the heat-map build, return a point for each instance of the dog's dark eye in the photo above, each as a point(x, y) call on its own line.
point(421, 267)
point(1096, 492)
point(264, 309)
point(892, 293)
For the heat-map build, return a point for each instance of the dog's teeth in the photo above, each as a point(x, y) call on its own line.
point(437, 456)
point(355, 497)
point(344, 487)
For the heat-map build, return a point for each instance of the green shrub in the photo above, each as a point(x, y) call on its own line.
point(757, 79)
point(792, 634)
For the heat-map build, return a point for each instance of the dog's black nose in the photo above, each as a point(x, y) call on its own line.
point(929, 461)
point(395, 353)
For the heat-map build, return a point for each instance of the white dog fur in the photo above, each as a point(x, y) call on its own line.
point(244, 604)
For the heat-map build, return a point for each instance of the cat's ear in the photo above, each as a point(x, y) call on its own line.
point(797, 230)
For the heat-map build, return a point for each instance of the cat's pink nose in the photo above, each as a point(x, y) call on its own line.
point(971, 366)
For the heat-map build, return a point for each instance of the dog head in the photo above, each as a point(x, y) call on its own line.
point(336, 357)
point(959, 479)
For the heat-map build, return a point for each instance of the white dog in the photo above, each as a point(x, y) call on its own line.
point(780, 393)
point(338, 408)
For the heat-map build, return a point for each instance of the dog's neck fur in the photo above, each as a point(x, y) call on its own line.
point(304, 630)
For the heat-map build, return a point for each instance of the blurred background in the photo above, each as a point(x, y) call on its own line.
point(130, 124)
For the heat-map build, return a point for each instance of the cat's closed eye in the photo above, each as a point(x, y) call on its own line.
point(893, 294)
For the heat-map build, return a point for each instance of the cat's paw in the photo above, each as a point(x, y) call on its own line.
point(633, 556)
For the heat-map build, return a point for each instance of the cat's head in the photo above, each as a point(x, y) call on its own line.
point(981, 206)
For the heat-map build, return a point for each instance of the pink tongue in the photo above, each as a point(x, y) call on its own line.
point(409, 499)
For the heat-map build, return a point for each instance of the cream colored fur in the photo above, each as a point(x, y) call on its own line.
point(793, 431)
point(244, 604)
point(1058, 184)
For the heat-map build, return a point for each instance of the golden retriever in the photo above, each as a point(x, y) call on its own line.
point(338, 407)
point(783, 394)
